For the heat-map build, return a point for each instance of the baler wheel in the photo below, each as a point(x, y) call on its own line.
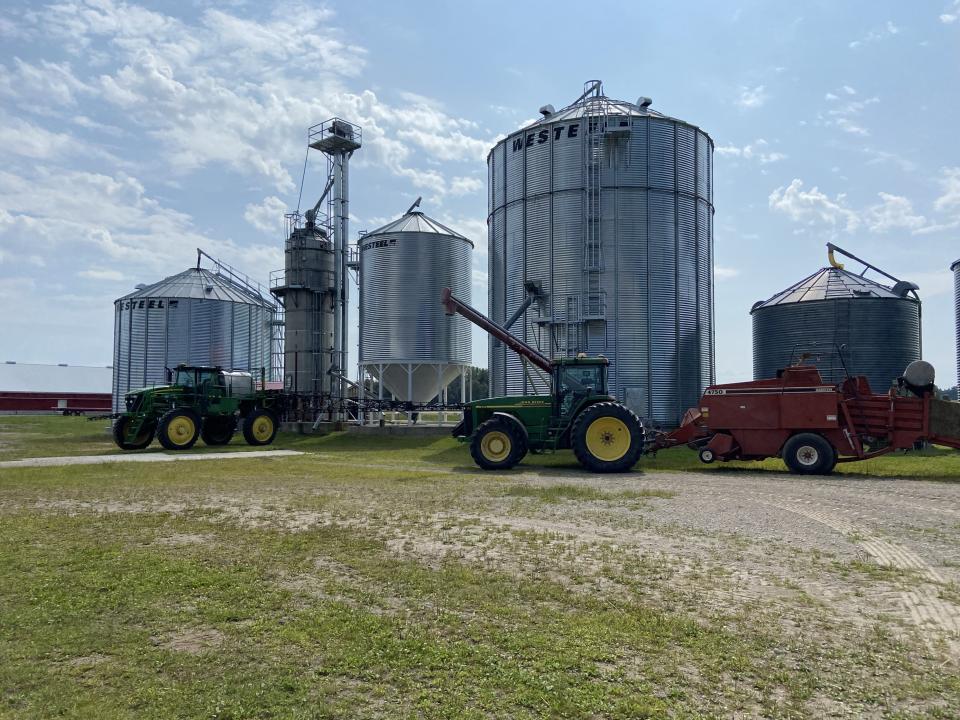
point(498, 444)
point(809, 454)
point(607, 437)
point(707, 456)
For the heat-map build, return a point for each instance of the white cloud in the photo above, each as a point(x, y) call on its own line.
point(894, 212)
point(880, 33)
point(722, 273)
point(752, 97)
point(949, 199)
point(102, 274)
point(757, 150)
point(952, 13)
point(177, 82)
point(267, 216)
point(813, 207)
point(845, 114)
point(465, 185)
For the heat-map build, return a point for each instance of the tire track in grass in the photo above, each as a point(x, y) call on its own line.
point(922, 603)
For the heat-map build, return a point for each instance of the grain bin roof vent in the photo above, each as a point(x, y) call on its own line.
point(547, 110)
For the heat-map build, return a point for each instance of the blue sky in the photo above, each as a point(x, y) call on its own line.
point(131, 134)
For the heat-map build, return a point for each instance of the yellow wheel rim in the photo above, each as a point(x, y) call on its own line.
point(262, 428)
point(181, 430)
point(608, 438)
point(495, 446)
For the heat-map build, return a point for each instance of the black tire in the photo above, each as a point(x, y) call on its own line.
point(260, 427)
point(498, 444)
point(218, 430)
point(144, 438)
point(607, 437)
point(179, 429)
point(809, 454)
point(707, 456)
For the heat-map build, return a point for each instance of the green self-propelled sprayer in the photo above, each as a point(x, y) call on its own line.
point(605, 435)
point(204, 402)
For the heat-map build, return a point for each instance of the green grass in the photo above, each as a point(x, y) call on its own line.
point(557, 493)
point(51, 436)
point(362, 580)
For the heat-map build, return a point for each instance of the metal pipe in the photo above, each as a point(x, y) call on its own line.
point(453, 305)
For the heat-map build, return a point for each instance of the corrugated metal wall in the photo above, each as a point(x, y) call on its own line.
point(656, 277)
point(882, 337)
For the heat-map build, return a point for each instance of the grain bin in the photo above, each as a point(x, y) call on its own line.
point(405, 338)
point(606, 207)
point(198, 317)
point(834, 313)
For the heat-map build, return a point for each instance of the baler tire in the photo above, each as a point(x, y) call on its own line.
point(218, 430)
point(809, 454)
point(179, 424)
point(590, 440)
point(259, 433)
point(498, 444)
point(140, 442)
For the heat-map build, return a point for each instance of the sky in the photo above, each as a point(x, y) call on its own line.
point(133, 133)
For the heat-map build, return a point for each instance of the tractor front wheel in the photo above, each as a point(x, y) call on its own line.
point(143, 438)
point(179, 429)
point(260, 427)
point(809, 454)
point(498, 444)
point(607, 437)
point(218, 430)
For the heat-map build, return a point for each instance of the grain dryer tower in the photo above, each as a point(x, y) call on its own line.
point(602, 214)
point(202, 316)
point(406, 340)
point(844, 322)
point(313, 286)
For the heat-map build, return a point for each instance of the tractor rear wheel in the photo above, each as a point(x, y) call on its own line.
point(607, 437)
point(218, 430)
point(143, 438)
point(260, 427)
point(809, 454)
point(179, 429)
point(498, 444)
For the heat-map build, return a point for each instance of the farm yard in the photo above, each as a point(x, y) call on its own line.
point(389, 577)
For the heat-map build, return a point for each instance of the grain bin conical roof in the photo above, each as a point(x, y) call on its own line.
point(416, 221)
point(198, 284)
point(829, 283)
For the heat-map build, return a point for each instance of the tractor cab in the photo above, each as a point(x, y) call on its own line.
point(575, 380)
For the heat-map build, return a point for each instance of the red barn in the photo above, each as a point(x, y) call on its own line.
point(31, 389)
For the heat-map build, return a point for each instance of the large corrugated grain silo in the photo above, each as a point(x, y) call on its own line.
point(406, 340)
point(838, 318)
point(605, 210)
point(198, 317)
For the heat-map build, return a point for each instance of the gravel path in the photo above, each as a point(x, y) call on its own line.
point(143, 458)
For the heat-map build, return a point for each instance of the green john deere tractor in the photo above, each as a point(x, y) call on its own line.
point(204, 402)
point(605, 435)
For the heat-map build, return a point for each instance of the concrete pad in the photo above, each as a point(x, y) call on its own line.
point(144, 457)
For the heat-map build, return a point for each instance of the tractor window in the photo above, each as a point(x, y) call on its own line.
point(582, 379)
point(184, 378)
point(577, 382)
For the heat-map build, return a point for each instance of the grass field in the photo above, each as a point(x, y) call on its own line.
point(390, 578)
